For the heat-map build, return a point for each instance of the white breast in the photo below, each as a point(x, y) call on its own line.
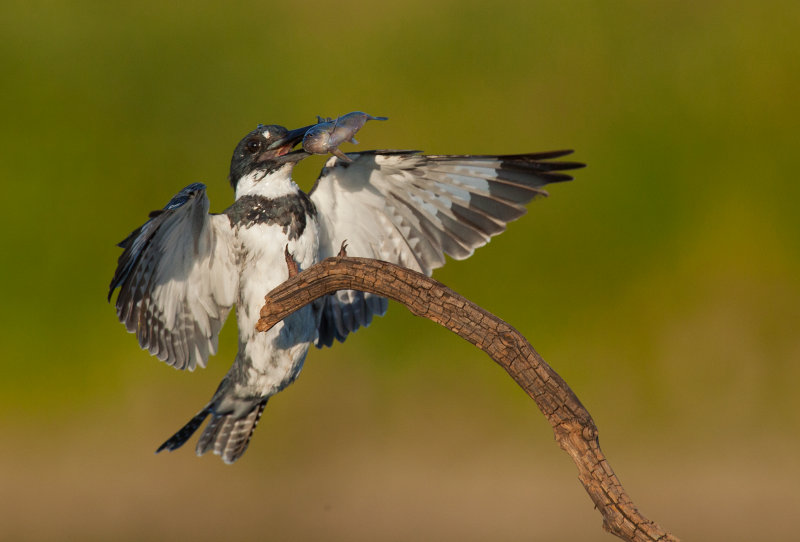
point(272, 359)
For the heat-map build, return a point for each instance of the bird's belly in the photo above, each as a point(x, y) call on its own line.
point(271, 360)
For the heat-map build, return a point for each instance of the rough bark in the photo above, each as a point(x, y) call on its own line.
point(574, 429)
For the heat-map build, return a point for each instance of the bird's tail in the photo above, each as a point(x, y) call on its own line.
point(227, 435)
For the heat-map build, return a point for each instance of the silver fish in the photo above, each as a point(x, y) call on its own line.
point(326, 136)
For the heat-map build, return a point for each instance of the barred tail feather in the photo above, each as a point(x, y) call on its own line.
point(226, 435)
point(206, 441)
point(229, 437)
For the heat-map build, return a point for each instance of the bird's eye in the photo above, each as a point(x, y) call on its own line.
point(254, 145)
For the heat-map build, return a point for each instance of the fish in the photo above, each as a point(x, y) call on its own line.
point(326, 136)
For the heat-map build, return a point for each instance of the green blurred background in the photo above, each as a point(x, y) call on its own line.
point(661, 283)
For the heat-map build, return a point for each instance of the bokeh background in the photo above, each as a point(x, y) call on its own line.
point(662, 283)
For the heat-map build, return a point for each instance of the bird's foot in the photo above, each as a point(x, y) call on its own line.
point(291, 264)
point(343, 250)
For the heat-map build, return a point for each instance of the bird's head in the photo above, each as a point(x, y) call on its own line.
point(265, 149)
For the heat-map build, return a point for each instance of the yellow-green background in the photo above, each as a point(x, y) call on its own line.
point(662, 283)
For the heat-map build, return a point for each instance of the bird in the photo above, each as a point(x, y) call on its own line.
point(182, 271)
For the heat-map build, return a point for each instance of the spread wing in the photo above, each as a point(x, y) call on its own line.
point(411, 209)
point(177, 280)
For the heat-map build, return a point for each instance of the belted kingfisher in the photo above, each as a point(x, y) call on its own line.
point(182, 271)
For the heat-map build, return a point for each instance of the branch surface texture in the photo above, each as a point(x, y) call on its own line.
point(574, 429)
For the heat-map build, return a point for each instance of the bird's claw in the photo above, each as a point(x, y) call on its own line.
point(343, 250)
point(291, 264)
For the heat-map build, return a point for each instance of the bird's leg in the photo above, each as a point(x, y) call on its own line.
point(290, 263)
point(343, 250)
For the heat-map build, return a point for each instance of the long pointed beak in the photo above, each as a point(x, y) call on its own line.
point(291, 139)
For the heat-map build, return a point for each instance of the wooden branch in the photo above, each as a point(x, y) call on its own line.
point(574, 428)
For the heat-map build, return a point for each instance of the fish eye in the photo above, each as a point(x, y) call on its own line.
point(253, 145)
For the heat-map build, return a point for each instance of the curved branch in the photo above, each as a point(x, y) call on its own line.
point(574, 428)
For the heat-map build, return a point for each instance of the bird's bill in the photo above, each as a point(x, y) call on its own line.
point(281, 151)
point(292, 138)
